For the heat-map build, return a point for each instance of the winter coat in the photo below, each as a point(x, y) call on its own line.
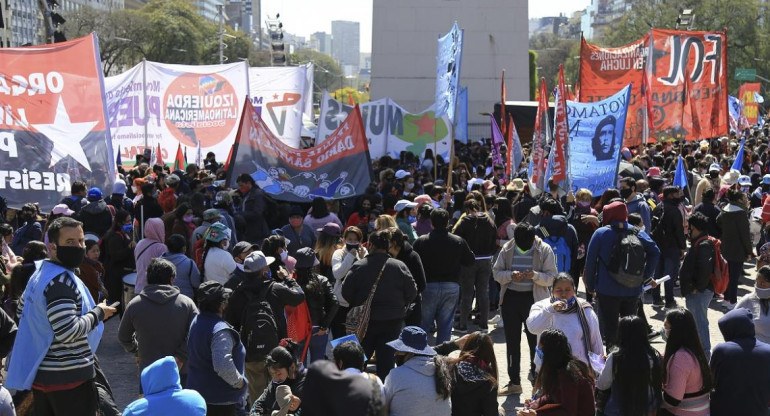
point(252, 213)
point(117, 258)
point(711, 212)
point(322, 303)
point(188, 277)
point(395, 291)
point(163, 394)
point(543, 316)
point(92, 274)
point(150, 247)
point(266, 403)
point(640, 206)
point(543, 265)
point(736, 390)
point(697, 266)
point(736, 238)
point(442, 256)
point(480, 233)
point(669, 219)
point(96, 218)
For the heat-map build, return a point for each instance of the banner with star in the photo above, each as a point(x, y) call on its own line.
point(166, 105)
point(280, 95)
point(53, 128)
point(338, 168)
point(390, 129)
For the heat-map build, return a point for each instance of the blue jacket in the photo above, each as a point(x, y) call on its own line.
point(741, 368)
point(163, 395)
point(640, 206)
point(597, 278)
point(35, 333)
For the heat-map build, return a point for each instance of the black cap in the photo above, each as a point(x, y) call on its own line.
point(213, 291)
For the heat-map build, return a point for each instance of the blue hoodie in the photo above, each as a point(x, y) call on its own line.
point(640, 206)
point(163, 393)
point(741, 368)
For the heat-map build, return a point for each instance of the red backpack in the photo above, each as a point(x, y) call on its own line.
point(720, 276)
point(299, 326)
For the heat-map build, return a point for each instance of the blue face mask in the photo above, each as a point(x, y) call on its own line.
point(412, 219)
point(571, 301)
point(128, 228)
point(269, 274)
point(539, 352)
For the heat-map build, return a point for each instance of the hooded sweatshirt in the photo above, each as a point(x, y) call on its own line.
point(96, 218)
point(148, 248)
point(410, 390)
point(163, 395)
point(736, 390)
point(473, 393)
point(142, 332)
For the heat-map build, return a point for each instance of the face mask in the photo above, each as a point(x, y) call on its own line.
point(714, 175)
point(351, 247)
point(523, 251)
point(69, 256)
point(584, 204)
point(284, 256)
point(745, 189)
point(571, 301)
point(371, 225)
point(626, 192)
point(400, 359)
point(295, 222)
point(409, 186)
point(538, 359)
point(188, 218)
point(128, 228)
point(268, 274)
point(134, 189)
point(664, 334)
point(762, 293)
point(244, 189)
point(412, 219)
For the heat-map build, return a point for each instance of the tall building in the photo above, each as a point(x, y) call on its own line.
point(404, 45)
point(601, 14)
point(346, 41)
point(321, 42)
point(74, 5)
point(238, 14)
point(5, 18)
point(26, 22)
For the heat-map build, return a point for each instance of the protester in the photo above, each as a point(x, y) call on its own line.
point(555, 230)
point(75, 201)
point(710, 211)
point(216, 354)
point(217, 263)
point(150, 247)
point(29, 228)
point(285, 370)
point(740, 368)
point(401, 250)
point(319, 215)
point(251, 213)
point(349, 357)
point(758, 303)
point(632, 372)
point(686, 373)
point(733, 222)
point(187, 277)
point(403, 210)
point(240, 252)
point(275, 247)
point(210, 216)
point(333, 391)
point(669, 235)
point(164, 394)
point(392, 288)
point(61, 316)
point(442, 256)
point(118, 255)
point(182, 223)
point(635, 202)
point(91, 272)
point(118, 199)
point(571, 315)
point(474, 375)
point(525, 269)
point(342, 260)
point(320, 299)
point(168, 197)
point(20, 275)
point(421, 384)
point(327, 244)
point(96, 215)
point(260, 327)
point(298, 234)
point(564, 384)
point(149, 338)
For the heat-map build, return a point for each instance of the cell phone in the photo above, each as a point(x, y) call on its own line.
point(115, 305)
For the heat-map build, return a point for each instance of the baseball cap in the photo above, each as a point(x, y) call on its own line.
point(715, 167)
point(62, 209)
point(172, 179)
point(516, 185)
point(401, 174)
point(404, 204)
point(94, 194)
point(766, 180)
point(744, 180)
point(211, 215)
point(213, 291)
point(217, 232)
point(119, 187)
point(331, 228)
point(256, 260)
point(243, 246)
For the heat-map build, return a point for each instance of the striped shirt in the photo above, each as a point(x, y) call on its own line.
point(522, 262)
point(69, 358)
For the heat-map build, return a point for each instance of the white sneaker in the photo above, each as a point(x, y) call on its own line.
point(495, 320)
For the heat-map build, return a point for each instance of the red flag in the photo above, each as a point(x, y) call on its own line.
point(350, 100)
point(559, 168)
point(695, 132)
point(229, 155)
point(539, 140)
point(159, 157)
point(180, 162)
point(503, 117)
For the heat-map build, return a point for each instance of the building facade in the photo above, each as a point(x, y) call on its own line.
point(321, 42)
point(26, 22)
point(601, 14)
point(6, 32)
point(404, 46)
point(346, 41)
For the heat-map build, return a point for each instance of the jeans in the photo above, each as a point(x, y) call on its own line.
point(667, 265)
point(611, 309)
point(515, 310)
point(698, 305)
point(377, 336)
point(438, 304)
point(736, 272)
point(81, 400)
point(317, 349)
point(475, 283)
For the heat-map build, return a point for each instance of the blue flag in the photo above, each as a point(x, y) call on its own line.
point(448, 62)
point(596, 137)
point(738, 163)
point(118, 160)
point(680, 175)
point(461, 124)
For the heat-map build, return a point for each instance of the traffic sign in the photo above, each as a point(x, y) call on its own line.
point(745, 74)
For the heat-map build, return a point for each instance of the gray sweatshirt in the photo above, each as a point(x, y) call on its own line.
point(410, 390)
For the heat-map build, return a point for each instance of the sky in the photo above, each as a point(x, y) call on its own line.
point(304, 17)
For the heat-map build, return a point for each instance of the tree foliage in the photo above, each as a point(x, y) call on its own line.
point(551, 51)
point(327, 75)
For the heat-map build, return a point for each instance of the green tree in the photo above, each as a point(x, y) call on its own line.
point(342, 95)
point(551, 52)
point(176, 32)
point(327, 75)
point(532, 74)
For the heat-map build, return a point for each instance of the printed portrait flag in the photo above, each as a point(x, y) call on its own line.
point(53, 122)
point(448, 64)
point(497, 142)
point(338, 168)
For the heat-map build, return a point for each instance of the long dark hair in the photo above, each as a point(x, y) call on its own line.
point(270, 247)
point(557, 356)
point(308, 280)
point(319, 209)
point(764, 274)
point(684, 334)
point(479, 350)
point(631, 362)
point(503, 212)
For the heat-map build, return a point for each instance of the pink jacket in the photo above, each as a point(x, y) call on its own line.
point(150, 247)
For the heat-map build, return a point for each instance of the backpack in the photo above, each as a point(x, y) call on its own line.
point(560, 249)
point(628, 258)
point(658, 232)
point(299, 325)
point(720, 276)
point(259, 331)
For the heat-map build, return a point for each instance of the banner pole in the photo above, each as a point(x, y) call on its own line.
point(144, 99)
point(451, 158)
point(435, 151)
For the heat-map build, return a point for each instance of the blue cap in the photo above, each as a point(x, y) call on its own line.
point(94, 194)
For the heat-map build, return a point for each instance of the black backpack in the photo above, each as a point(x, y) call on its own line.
point(628, 258)
point(658, 232)
point(259, 331)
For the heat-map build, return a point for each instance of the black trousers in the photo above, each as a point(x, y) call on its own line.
point(611, 309)
point(220, 410)
point(82, 400)
point(338, 322)
point(377, 336)
point(515, 310)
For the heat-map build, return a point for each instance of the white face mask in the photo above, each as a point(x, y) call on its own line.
point(762, 293)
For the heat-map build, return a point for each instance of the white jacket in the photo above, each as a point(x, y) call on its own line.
point(543, 316)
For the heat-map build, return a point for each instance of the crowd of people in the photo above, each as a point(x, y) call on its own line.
point(235, 304)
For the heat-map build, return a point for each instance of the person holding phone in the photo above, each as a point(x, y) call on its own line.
point(342, 260)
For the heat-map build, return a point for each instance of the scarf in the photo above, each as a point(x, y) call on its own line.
point(578, 308)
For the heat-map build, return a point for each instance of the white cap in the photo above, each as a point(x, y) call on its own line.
point(404, 204)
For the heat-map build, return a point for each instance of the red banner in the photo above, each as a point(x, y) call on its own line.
point(750, 104)
point(702, 57)
point(539, 139)
point(605, 71)
point(560, 135)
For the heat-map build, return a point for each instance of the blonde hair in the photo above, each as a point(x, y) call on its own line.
point(384, 222)
point(584, 193)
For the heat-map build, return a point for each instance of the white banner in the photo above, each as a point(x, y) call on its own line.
point(188, 104)
point(281, 95)
point(390, 129)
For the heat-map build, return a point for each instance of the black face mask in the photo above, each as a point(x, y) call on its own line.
point(525, 247)
point(350, 247)
point(714, 175)
point(626, 192)
point(69, 256)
